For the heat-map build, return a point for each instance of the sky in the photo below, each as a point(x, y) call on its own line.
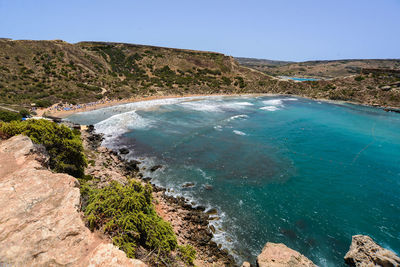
point(291, 30)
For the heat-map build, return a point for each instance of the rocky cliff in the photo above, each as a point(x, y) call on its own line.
point(365, 252)
point(279, 255)
point(40, 220)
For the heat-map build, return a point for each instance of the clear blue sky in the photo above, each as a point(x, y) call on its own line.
point(281, 29)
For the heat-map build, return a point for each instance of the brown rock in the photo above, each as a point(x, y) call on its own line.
point(245, 264)
point(365, 252)
point(279, 255)
point(109, 255)
point(156, 167)
point(40, 220)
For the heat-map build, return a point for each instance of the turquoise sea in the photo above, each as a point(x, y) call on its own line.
point(305, 173)
point(299, 79)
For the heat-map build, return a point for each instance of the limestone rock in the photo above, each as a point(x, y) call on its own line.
point(365, 252)
point(386, 88)
point(40, 221)
point(279, 255)
point(109, 255)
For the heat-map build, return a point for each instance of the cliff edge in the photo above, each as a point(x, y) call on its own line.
point(40, 220)
point(365, 252)
point(279, 255)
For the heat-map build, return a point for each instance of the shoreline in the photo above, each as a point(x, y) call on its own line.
point(110, 103)
point(114, 102)
point(191, 224)
point(175, 209)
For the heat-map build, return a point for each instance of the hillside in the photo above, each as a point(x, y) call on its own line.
point(48, 72)
point(318, 69)
point(58, 71)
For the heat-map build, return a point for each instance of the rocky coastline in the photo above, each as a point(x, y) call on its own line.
point(190, 224)
point(41, 223)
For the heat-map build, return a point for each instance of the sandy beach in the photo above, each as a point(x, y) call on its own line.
point(62, 113)
point(58, 111)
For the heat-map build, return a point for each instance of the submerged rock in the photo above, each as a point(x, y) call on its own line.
point(146, 179)
point(208, 187)
point(212, 211)
point(188, 185)
point(40, 218)
point(132, 165)
point(156, 167)
point(124, 151)
point(365, 252)
point(279, 255)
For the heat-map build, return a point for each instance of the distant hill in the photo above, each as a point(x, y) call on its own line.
point(318, 69)
point(258, 63)
point(47, 72)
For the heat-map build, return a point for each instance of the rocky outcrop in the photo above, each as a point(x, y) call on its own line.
point(279, 255)
point(40, 221)
point(109, 255)
point(365, 252)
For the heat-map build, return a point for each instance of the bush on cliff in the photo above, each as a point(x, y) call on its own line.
point(187, 253)
point(8, 116)
point(63, 145)
point(127, 214)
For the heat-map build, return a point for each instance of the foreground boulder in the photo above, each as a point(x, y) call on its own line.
point(279, 255)
point(40, 220)
point(365, 252)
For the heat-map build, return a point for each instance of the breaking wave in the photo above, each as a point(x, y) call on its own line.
point(121, 123)
point(238, 132)
point(270, 108)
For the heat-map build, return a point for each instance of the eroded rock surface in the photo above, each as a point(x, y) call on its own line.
point(365, 252)
point(279, 255)
point(40, 222)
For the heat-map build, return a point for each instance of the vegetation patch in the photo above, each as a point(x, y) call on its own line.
point(8, 116)
point(63, 144)
point(127, 214)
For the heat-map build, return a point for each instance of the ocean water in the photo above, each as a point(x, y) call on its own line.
point(281, 169)
point(299, 79)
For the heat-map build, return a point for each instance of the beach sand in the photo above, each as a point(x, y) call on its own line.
point(65, 113)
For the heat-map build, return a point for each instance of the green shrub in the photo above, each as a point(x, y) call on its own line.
point(63, 145)
point(8, 116)
point(24, 113)
point(226, 80)
point(127, 214)
point(187, 254)
point(44, 103)
point(359, 78)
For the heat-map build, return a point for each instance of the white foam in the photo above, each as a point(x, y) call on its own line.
point(244, 103)
point(278, 102)
point(238, 132)
point(203, 174)
point(201, 106)
point(270, 108)
point(218, 128)
point(214, 105)
point(241, 116)
point(121, 123)
point(273, 102)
